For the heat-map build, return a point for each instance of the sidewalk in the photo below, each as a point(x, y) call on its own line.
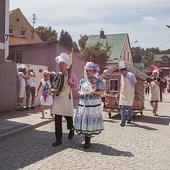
point(16, 122)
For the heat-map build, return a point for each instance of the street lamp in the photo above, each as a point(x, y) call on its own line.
point(168, 26)
point(134, 42)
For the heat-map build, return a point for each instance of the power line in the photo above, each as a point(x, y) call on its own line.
point(164, 43)
point(45, 10)
point(59, 8)
point(90, 12)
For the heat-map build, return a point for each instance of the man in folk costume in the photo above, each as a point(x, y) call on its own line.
point(126, 92)
point(63, 104)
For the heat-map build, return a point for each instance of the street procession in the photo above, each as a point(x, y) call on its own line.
point(85, 85)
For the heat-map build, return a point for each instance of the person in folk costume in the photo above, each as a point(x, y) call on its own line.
point(63, 105)
point(46, 98)
point(126, 93)
point(155, 91)
point(88, 119)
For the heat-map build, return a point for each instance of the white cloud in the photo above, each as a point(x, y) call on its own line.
point(144, 20)
point(149, 18)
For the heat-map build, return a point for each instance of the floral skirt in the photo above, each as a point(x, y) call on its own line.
point(88, 118)
point(46, 101)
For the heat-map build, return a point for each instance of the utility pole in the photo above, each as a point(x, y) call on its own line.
point(34, 18)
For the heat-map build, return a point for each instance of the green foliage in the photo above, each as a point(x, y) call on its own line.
point(46, 33)
point(65, 39)
point(140, 55)
point(97, 54)
point(82, 41)
point(75, 47)
point(137, 54)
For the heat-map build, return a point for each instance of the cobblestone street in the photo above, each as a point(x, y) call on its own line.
point(142, 145)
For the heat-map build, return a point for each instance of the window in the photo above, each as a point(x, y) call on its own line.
point(124, 56)
point(128, 57)
point(23, 33)
point(114, 85)
point(11, 31)
point(11, 57)
point(16, 57)
point(19, 57)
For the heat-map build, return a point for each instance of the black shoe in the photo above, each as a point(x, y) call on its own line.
point(128, 122)
point(57, 142)
point(71, 133)
point(122, 124)
point(27, 108)
point(87, 145)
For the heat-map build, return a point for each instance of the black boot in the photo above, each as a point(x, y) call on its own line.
point(57, 142)
point(71, 133)
point(87, 142)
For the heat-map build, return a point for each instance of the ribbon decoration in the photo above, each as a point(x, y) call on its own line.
point(155, 68)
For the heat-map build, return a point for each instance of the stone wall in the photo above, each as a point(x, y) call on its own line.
point(8, 85)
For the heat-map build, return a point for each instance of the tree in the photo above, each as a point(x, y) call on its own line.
point(97, 54)
point(75, 47)
point(65, 39)
point(46, 33)
point(82, 41)
point(137, 54)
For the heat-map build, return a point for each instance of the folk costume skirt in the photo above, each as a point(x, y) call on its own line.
point(88, 118)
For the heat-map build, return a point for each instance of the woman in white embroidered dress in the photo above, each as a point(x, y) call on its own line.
point(89, 119)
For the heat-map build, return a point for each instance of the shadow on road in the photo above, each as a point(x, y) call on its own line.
point(31, 147)
point(142, 126)
point(107, 150)
point(16, 114)
point(161, 120)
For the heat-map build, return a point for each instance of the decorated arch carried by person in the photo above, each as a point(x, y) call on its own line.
point(112, 79)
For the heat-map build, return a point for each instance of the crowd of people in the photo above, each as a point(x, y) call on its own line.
point(25, 83)
point(164, 84)
point(88, 120)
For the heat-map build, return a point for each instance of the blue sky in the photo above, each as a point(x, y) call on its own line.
point(144, 21)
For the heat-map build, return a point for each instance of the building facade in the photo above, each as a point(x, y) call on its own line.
point(120, 47)
point(162, 60)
